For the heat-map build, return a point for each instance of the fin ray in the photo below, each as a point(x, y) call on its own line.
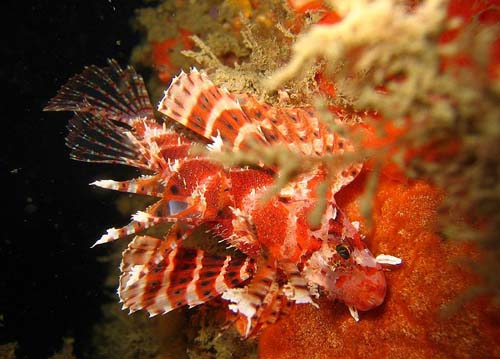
point(94, 139)
point(110, 92)
point(196, 103)
point(159, 276)
point(144, 185)
point(249, 302)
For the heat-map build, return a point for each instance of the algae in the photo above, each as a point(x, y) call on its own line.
point(208, 341)
point(238, 43)
point(382, 40)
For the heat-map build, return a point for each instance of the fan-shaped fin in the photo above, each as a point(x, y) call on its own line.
point(111, 92)
point(184, 203)
point(159, 276)
point(196, 103)
point(251, 301)
point(94, 139)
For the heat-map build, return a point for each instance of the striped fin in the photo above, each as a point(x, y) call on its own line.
point(145, 185)
point(276, 306)
point(196, 103)
point(161, 140)
point(193, 193)
point(157, 213)
point(251, 301)
point(200, 203)
point(112, 234)
point(301, 131)
point(298, 128)
point(150, 152)
point(159, 276)
point(267, 122)
point(268, 299)
point(296, 290)
point(279, 307)
point(304, 131)
point(111, 92)
point(163, 147)
point(94, 139)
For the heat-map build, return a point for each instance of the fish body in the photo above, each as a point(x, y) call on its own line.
point(282, 259)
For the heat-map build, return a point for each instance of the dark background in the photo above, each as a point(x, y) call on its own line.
point(51, 281)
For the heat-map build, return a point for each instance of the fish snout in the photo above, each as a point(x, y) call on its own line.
point(363, 289)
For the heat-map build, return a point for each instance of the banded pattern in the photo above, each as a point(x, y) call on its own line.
point(196, 103)
point(283, 261)
point(162, 211)
point(261, 303)
point(112, 93)
point(163, 275)
point(95, 139)
point(145, 185)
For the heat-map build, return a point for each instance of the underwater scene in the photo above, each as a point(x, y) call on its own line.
point(233, 179)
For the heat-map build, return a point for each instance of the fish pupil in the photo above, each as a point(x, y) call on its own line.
point(343, 251)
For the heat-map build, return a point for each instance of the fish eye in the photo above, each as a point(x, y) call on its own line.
point(343, 251)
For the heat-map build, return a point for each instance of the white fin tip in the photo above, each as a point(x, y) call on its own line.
point(354, 312)
point(388, 259)
point(103, 183)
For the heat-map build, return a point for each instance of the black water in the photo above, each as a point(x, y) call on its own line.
point(51, 282)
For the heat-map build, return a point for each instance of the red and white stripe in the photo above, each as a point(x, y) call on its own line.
point(159, 277)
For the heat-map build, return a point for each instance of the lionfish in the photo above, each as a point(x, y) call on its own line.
point(282, 260)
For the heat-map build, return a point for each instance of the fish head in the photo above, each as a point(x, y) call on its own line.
point(359, 282)
point(345, 269)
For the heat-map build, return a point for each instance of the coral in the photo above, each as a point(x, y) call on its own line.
point(234, 41)
point(174, 28)
point(167, 29)
point(425, 77)
point(121, 336)
point(415, 321)
point(261, 57)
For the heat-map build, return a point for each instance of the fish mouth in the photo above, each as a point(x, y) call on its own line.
point(360, 289)
point(371, 301)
